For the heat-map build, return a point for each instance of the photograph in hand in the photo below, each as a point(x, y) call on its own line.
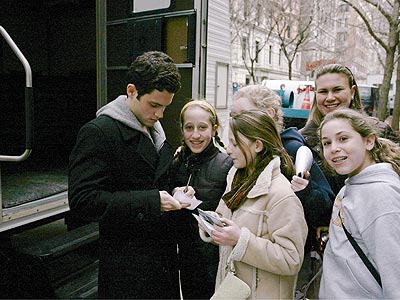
point(210, 218)
point(207, 221)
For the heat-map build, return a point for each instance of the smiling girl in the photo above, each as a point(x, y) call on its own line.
point(335, 88)
point(369, 206)
point(204, 166)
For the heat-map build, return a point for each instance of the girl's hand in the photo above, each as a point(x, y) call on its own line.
point(299, 183)
point(227, 235)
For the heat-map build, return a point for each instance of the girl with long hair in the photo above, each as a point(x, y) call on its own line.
point(368, 207)
point(265, 228)
point(335, 87)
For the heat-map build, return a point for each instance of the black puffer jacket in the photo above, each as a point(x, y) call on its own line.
point(209, 170)
point(199, 260)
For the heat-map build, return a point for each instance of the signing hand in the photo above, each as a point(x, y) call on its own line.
point(187, 190)
point(299, 183)
point(168, 203)
point(227, 235)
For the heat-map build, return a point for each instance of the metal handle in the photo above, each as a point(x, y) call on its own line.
point(28, 101)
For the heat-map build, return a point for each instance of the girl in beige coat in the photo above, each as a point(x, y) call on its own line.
point(265, 227)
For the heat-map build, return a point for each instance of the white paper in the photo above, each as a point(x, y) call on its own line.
point(182, 198)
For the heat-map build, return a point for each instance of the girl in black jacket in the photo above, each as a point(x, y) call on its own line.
point(205, 166)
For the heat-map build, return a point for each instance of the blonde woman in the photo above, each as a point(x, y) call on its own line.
point(335, 88)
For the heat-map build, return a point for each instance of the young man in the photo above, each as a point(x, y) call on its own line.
point(118, 177)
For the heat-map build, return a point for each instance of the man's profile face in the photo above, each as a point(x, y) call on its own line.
point(150, 108)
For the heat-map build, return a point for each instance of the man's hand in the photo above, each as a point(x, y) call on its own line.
point(168, 203)
point(299, 183)
point(187, 190)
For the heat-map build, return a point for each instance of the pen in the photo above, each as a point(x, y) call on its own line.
point(187, 184)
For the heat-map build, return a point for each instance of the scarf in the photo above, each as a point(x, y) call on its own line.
point(242, 184)
point(192, 160)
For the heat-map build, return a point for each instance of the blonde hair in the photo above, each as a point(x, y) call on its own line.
point(263, 98)
point(204, 105)
point(384, 150)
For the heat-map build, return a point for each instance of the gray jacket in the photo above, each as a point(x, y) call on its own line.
point(369, 206)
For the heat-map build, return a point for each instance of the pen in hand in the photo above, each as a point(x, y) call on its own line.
point(187, 184)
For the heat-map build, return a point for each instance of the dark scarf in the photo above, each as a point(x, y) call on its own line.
point(192, 160)
point(242, 184)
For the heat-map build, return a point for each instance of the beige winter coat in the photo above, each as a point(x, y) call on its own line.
point(270, 249)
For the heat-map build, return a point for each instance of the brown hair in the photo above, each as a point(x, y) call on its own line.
point(258, 125)
point(384, 150)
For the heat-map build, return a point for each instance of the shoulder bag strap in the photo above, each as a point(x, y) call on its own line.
point(362, 255)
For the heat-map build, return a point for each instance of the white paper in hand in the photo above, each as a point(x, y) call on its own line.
point(182, 198)
point(304, 159)
point(208, 227)
point(210, 218)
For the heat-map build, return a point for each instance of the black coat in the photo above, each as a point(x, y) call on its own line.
point(199, 260)
point(115, 177)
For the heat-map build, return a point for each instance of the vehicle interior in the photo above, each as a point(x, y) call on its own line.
point(58, 38)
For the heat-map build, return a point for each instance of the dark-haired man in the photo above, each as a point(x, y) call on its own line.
point(119, 177)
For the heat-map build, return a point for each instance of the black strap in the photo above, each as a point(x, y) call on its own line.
point(363, 257)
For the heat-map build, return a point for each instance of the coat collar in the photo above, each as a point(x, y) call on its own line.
point(157, 160)
point(263, 182)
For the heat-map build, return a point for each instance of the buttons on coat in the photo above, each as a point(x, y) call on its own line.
point(140, 216)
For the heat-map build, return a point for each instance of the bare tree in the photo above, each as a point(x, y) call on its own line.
point(251, 30)
point(396, 108)
point(255, 22)
point(293, 22)
point(389, 10)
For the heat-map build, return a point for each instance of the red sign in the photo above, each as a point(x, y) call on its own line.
point(312, 65)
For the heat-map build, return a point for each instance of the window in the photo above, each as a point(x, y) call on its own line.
point(270, 55)
point(258, 14)
point(343, 8)
point(280, 57)
point(257, 50)
point(244, 47)
point(246, 9)
point(146, 5)
point(342, 36)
